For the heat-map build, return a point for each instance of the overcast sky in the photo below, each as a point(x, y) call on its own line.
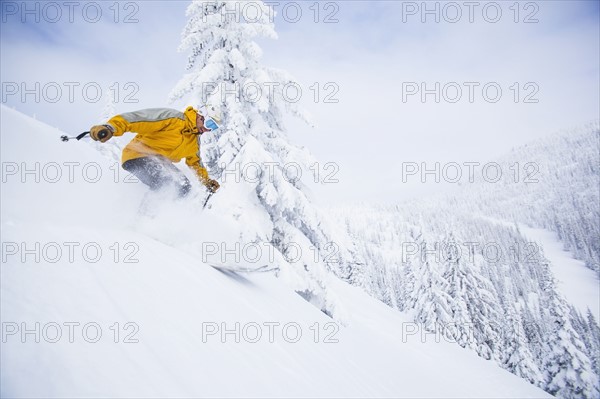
point(373, 53)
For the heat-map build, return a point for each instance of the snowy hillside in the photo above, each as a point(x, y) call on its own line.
point(77, 259)
point(551, 183)
point(468, 265)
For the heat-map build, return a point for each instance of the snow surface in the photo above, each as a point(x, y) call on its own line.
point(171, 295)
point(578, 284)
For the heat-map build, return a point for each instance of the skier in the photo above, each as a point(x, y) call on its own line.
point(164, 136)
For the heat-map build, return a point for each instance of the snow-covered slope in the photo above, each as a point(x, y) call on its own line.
point(578, 284)
point(76, 259)
point(555, 188)
point(527, 304)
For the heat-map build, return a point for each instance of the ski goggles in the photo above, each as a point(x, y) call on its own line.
point(210, 123)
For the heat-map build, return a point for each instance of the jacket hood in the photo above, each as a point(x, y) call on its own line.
point(190, 115)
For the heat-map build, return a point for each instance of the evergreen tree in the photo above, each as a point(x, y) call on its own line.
point(517, 358)
point(430, 298)
point(568, 370)
point(594, 340)
point(225, 71)
point(473, 302)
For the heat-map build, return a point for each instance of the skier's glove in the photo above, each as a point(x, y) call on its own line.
point(212, 185)
point(102, 133)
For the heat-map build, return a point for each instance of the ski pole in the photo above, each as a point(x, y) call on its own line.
point(102, 134)
point(207, 198)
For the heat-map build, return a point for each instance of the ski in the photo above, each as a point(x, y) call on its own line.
point(243, 269)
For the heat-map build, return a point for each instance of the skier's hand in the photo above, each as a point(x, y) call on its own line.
point(101, 133)
point(212, 185)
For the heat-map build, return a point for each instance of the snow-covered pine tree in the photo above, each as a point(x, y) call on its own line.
point(589, 332)
point(225, 70)
point(568, 370)
point(474, 301)
point(430, 299)
point(594, 340)
point(516, 356)
point(455, 274)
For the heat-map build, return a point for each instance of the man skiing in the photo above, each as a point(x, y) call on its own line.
point(164, 136)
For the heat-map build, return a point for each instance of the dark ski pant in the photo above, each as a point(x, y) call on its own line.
point(158, 172)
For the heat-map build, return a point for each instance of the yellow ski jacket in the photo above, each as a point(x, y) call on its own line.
point(162, 131)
